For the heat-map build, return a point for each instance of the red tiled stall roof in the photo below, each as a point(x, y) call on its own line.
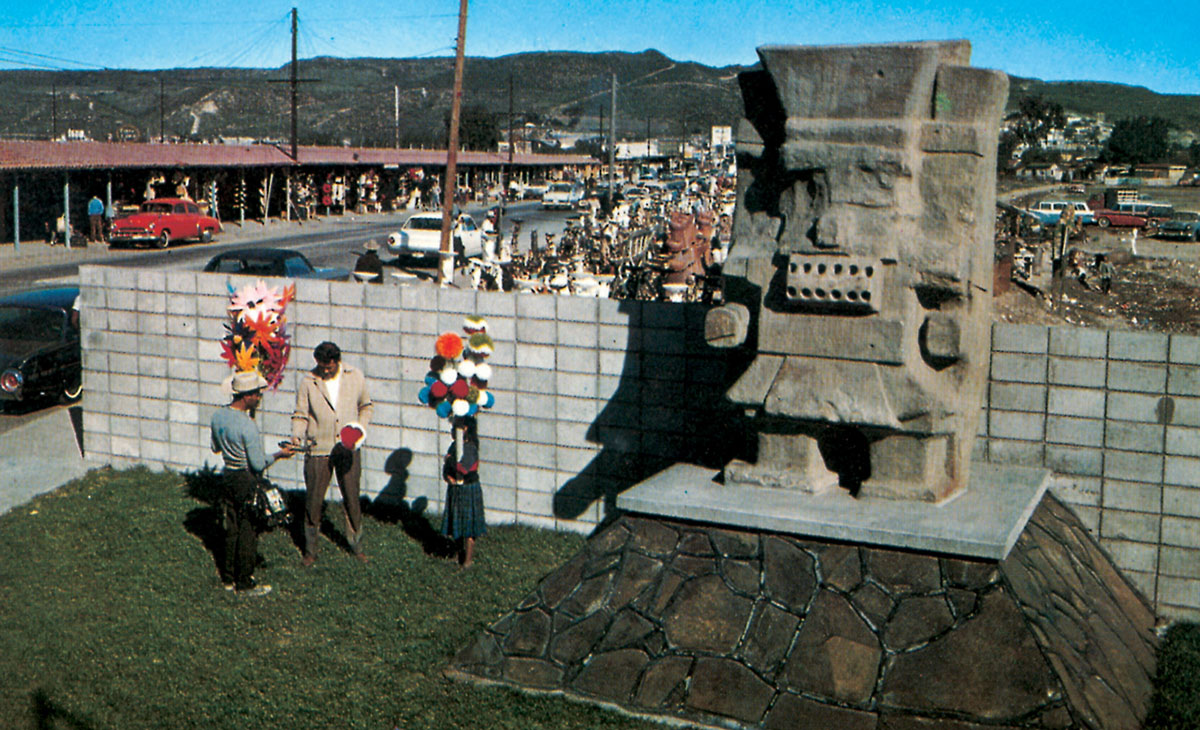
point(37, 155)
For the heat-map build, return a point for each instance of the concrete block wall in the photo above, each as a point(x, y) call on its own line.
point(591, 395)
point(1116, 417)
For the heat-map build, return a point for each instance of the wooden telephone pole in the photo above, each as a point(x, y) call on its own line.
point(446, 264)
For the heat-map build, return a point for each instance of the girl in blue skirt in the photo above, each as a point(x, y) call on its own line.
point(463, 519)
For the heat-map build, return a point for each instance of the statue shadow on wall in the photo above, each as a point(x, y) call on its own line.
point(669, 405)
point(392, 506)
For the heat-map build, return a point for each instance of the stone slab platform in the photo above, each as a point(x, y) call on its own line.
point(983, 522)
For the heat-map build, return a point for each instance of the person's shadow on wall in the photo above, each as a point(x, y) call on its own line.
point(669, 407)
point(392, 506)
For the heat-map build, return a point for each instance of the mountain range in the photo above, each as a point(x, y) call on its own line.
point(354, 101)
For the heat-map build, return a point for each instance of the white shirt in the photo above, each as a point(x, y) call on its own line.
point(333, 385)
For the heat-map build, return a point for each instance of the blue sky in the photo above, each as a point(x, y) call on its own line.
point(1101, 40)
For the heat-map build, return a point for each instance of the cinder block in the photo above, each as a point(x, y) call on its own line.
point(573, 433)
point(420, 297)
point(383, 344)
point(182, 302)
point(180, 326)
point(497, 499)
point(663, 315)
point(425, 324)
point(578, 385)
point(578, 334)
point(1137, 377)
point(1027, 338)
point(347, 294)
point(1179, 591)
point(1089, 516)
point(307, 290)
point(503, 330)
point(709, 371)
point(1183, 380)
point(659, 341)
point(1018, 367)
point(624, 312)
point(457, 301)
point(573, 457)
point(150, 387)
point(659, 368)
point(1183, 441)
point(1017, 397)
point(126, 426)
point(1076, 489)
point(1134, 407)
point(539, 331)
point(1135, 526)
point(617, 337)
point(540, 357)
point(91, 276)
point(538, 404)
point(535, 306)
point(1077, 372)
point(495, 304)
point(535, 479)
point(1132, 466)
point(1182, 471)
point(1074, 460)
point(1080, 402)
point(533, 506)
point(96, 422)
point(1132, 496)
point(1016, 425)
point(1181, 531)
point(1079, 342)
point(311, 313)
point(569, 408)
point(620, 364)
point(576, 309)
point(536, 430)
point(577, 360)
point(346, 317)
point(1180, 562)
point(1144, 346)
point(1181, 501)
point(1132, 555)
point(181, 389)
point(385, 298)
point(1074, 431)
point(122, 321)
point(1134, 436)
point(1185, 349)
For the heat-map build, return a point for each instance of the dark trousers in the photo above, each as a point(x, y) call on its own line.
point(318, 470)
point(97, 228)
point(241, 534)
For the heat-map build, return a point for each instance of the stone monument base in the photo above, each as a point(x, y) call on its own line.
point(745, 628)
point(984, 521)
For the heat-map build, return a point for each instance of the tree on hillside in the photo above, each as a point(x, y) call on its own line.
point(1139, 139)
point(1035, 118)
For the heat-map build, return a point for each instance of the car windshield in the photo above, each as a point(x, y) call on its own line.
point(156, 207)
point(424, 224)
point(560, 188)
point(30, 324)
point(1187, 216)
point(297, 266)
point(1158, 210)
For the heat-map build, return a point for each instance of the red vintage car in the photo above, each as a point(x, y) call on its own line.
point(1142, 214)
point(163, 220)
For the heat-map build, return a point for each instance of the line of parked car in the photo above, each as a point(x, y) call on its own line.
point(1154, 218)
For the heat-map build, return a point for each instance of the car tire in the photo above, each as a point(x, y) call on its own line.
point(206, 235)
point(1103, 222)
point(1195, 234)
point(163, 240)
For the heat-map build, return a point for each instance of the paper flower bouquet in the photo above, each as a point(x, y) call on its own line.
point(256, 336)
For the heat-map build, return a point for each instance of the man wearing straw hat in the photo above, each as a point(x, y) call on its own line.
point(236, 438)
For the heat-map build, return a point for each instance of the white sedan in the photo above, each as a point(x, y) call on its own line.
point(421, 235)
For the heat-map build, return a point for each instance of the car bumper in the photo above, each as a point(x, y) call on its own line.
point(132, 236)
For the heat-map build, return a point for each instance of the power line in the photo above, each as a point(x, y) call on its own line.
point(19, 52)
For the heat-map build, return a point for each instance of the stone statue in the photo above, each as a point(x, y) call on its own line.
point(863, 238)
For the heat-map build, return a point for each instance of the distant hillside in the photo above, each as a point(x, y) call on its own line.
point(353, 99)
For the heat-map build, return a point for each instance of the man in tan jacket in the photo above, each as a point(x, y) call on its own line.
point(328, 398)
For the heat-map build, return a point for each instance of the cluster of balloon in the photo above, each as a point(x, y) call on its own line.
point(456, 385)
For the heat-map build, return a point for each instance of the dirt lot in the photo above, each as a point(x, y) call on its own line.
point(1156, 287)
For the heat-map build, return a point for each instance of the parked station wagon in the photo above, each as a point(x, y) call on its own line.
point(163, 220)
point(1141, 214)
point(1049, 211)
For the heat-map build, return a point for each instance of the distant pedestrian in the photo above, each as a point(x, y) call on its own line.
point(95, 211)
point(368, 266)
point(236, 438)
point(1106, 272)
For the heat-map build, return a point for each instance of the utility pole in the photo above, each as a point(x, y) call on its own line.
point(295, 96)
point(396, 105)
point(612, 144)
point(54, 111)
point(162, 112)
point(446, 264)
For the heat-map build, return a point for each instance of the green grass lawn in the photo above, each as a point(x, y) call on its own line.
point(113, 617)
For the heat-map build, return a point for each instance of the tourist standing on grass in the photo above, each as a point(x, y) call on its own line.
point(236, 438)
point(463, 518)
point(331, 398)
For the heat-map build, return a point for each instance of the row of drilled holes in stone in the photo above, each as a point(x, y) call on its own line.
point(836, 295)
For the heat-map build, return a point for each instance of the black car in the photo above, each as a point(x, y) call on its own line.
point(279, 262)
point(39, 346)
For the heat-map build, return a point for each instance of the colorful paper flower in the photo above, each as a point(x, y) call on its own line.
point(449, 345)
point(256, 336)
